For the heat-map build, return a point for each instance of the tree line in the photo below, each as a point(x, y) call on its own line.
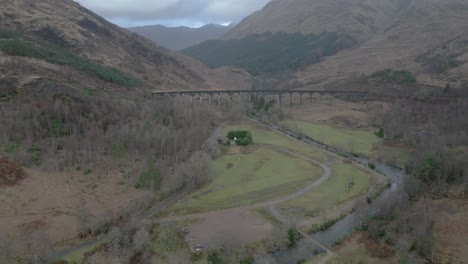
point(437, 133)
point(68, 131)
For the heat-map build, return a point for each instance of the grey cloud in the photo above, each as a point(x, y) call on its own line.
point(174, 11)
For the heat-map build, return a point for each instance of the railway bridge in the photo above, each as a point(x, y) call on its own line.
point(219, 95)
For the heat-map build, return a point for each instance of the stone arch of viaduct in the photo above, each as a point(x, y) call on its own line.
point(216, 96)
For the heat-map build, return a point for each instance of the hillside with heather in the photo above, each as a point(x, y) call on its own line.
point(324, 131)
point(83, 141)
point(40, 36)
point(426, 38)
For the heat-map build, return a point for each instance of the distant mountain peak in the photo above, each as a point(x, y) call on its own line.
point(177, 38)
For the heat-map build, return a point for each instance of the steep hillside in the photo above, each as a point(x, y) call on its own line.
point(68, 29)
point(177, 38)
point(270, 53)
point(82, 142)
point(427, 38)
point(357, 18)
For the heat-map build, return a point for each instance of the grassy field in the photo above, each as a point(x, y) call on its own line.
point(77, 257)
point(264, 136)
point(242, 179)
point(334, 191)
point(350, 140)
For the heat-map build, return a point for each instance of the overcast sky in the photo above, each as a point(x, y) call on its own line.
point(191, 13)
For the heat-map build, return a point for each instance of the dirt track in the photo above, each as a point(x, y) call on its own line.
point(308, 188)
point(271, 204)
point(238, 210)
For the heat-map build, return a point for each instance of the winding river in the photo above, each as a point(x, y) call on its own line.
point(347, 225)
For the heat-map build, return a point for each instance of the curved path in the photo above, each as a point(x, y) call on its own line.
point(267, 204)
point(325, 176)
point(271, 204)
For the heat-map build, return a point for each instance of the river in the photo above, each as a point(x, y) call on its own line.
point(347, 225)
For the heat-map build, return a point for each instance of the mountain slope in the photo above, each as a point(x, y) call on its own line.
point(66, 26)
point(269, 53)
point(411, 35)
point(355, 18)
point(77, 114)
point(421, 31)
point(177, 38)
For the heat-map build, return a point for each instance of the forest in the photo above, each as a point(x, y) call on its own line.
point(270, 52)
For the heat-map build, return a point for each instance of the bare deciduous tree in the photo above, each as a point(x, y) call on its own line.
point(113, 247)
point(192, 174)
point(84, 218)
point(141, 239)
point(213, 148)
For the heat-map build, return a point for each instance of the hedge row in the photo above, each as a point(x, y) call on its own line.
point(243, 138)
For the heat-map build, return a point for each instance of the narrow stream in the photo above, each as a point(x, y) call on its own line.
point(304, 250)
point(345, 226)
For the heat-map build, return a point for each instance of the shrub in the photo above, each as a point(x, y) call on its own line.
point(57, 129)
point(196, 256)
point(260, 103)
point(243, 138)
point(428, 168)
point(293, 237)
point(214, 258)
point(380, 133)
point(36, 156)
point(247, 260)
point(413, 246)
point(167, 239)
point(151, 177)
point(118, 151)
point(390, 75)
point(236, 134)
point(87, 171)
point(9, 148)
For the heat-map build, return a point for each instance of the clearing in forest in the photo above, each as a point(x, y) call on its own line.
point(244, 179)
point(357, 141)
point(273, 167)
point(263, 136)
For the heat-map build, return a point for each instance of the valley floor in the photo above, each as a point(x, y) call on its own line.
point(49, 208)
point(256, 193)
point(242, 169)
